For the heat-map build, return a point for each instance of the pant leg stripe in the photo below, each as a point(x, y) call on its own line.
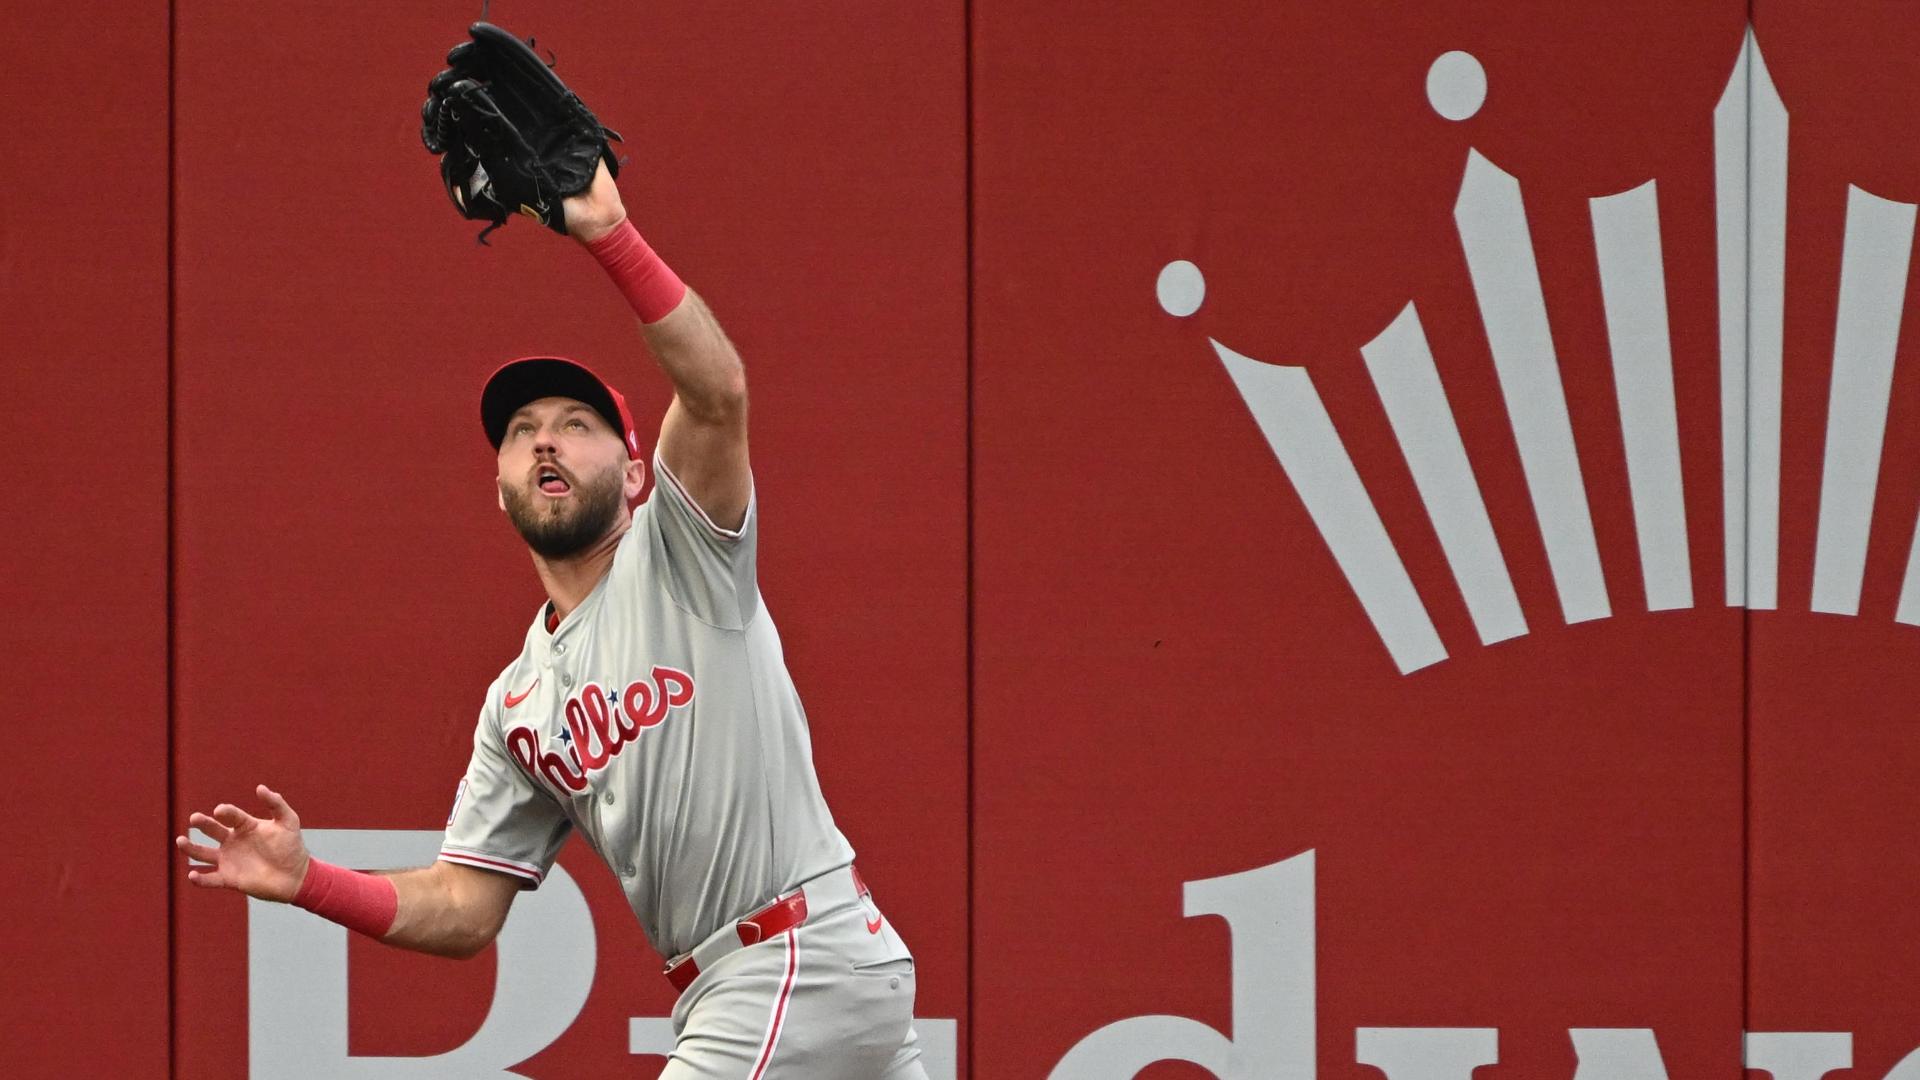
point(779, 1018)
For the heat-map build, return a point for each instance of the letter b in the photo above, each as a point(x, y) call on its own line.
point(297, 977)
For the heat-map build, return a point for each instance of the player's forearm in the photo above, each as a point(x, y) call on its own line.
point(678, 327)
point(437, 915)
point(707, 374)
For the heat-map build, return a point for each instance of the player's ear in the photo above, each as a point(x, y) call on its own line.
point(636, 478)
point(500, 496)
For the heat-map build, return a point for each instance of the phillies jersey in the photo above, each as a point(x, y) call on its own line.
point(659, 720)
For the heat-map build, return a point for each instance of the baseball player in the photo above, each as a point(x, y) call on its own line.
point(650, 708)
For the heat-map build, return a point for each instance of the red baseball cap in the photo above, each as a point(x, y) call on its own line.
point(531, 378)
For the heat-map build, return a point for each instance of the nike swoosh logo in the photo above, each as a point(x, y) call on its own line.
point(515, 699)
point(873, 925)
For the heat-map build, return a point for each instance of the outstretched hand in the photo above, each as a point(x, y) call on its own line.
point(262, 857)
point(596, 211)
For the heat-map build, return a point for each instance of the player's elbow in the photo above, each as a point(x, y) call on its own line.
point(733, 388)
point(467, 938)
point(722, 402)
point(475, 906)
point(467, 946)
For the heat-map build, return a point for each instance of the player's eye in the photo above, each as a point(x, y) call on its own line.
point(522, 428)
point(577, 424)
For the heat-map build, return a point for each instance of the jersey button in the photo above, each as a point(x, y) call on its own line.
point(560, 649)
point(566, 680)
point(607, 798)
point(627, 871)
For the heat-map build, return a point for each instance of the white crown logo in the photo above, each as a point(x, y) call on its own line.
point(1750, 169)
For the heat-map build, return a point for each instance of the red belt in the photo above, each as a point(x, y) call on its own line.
point(771, 921)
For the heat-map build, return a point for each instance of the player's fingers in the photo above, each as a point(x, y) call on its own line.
point(197, 852)
point(206, 879)
point(282, 813)
point(205, 824)
point(232, 816)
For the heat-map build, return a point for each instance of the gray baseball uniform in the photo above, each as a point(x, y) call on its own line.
point(658, 718)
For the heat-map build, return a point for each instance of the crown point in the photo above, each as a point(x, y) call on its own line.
point(1456, 85)
point(1180, 288)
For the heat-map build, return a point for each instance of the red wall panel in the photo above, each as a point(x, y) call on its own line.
point(1834, 869)
point(83, 370)
point(1174, 681)
point(346, 586)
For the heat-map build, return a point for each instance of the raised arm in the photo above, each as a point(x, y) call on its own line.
point(703, 438)
point(444, 909)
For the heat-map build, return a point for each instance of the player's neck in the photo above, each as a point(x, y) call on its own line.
point(571, 580)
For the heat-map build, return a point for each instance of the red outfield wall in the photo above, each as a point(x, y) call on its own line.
point(1311, 511)
point(1834, 869)
point(83, 375)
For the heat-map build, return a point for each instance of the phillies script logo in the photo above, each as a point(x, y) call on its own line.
point(600, 723)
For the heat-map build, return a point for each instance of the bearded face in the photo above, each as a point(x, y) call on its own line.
point(559, 513)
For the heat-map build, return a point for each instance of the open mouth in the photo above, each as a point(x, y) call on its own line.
point(549, 480)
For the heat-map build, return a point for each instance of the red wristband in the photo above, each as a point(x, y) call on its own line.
point(649, 285)
point(357, 901)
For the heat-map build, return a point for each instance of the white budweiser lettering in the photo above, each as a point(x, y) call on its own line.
point(1270, 914)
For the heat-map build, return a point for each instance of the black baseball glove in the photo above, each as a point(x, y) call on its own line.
point(511, 137)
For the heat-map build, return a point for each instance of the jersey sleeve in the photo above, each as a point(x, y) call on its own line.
point(709, 570)
point(501, 820)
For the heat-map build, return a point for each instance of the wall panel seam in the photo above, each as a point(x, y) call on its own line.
point(966, 74)
point(173, 950)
